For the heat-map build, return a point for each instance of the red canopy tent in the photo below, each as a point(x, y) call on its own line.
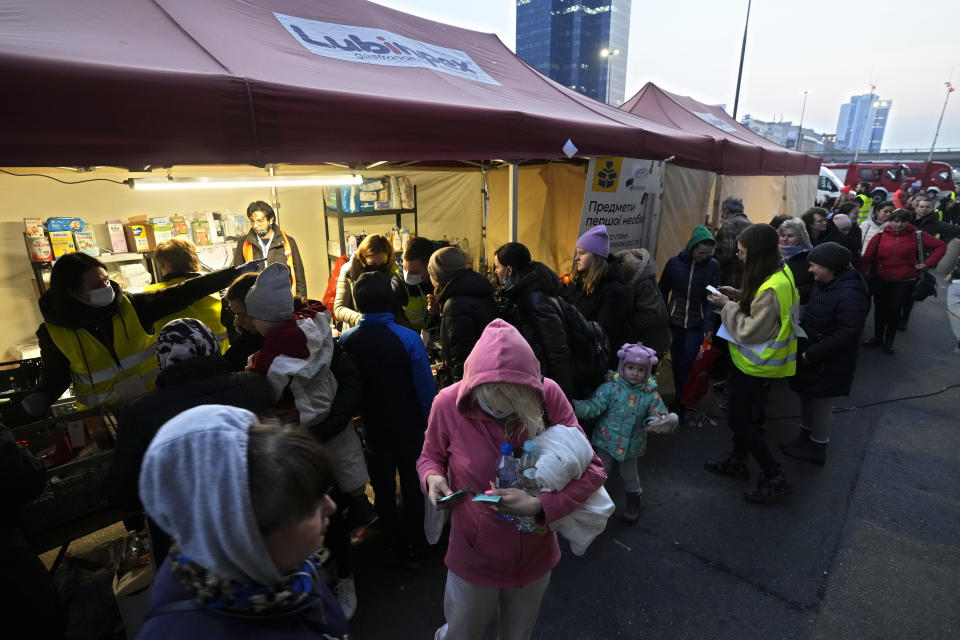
point(743, 152)
point(160, 82)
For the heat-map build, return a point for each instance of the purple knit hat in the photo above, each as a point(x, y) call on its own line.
point(595, 240)
point(637, 354)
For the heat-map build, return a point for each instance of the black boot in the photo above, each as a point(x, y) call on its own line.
point(888, 342)
point(872, 342)
point(771, 485)
point(733, 466)
point(802, 438)
point(809, 451)
point(631, 514)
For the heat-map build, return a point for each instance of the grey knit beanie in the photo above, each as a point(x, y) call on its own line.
point(830, 255)
point(270, 297)
point(445, 263)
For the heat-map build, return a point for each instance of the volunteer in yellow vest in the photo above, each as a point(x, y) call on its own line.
point(96, 336)
point(762, 335)
point(267, 240)
point(177, 261)
point(412, 288)
point(864, 200)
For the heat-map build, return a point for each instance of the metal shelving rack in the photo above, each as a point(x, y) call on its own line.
point(340, 215)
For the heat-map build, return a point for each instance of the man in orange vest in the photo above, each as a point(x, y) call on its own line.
point(266, 240)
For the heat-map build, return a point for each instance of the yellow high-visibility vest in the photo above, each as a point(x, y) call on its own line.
point(206, 310)
point(866, 203)
point(775, 358)
point(94, 370)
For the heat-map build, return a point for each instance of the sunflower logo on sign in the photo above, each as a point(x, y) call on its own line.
point(607, 173)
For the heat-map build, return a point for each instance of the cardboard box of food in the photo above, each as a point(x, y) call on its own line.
point(86, 242)
point(61, 243)
point(118, 240)
point(138, 237)
point(34, 227)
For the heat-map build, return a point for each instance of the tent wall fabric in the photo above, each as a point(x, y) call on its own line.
point(162, 82)
point(743, 152)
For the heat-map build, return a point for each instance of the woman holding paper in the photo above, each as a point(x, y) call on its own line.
point(759, 323)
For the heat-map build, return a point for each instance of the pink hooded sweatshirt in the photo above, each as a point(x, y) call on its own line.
point(463, 440)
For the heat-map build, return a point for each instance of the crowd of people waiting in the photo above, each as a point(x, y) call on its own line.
point(246, 458)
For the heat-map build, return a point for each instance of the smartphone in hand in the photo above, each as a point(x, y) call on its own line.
point(454, 496)
point(713, 289)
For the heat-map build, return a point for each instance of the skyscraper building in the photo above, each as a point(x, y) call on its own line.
point(581, 44)
point(862, 122)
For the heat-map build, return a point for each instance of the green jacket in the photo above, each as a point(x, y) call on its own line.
point(624, 409)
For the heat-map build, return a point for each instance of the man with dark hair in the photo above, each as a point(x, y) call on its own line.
point(267, 240)
point(732, 222)
point(412, 288)
point(864, 200)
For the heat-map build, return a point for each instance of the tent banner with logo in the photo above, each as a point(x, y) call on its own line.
point(624, 194)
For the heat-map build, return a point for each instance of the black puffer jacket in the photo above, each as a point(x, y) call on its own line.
point(466, 308)
point(932, 224)
point(647, 318)
point(827, 357)
point(802, 278)
point(530, 305)
point(181, 386)
point(606, 304)
point(833, 234)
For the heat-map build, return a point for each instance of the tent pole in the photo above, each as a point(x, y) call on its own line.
point(715, 214)
point(485, 195)
point(275, 200)
point(513, 179)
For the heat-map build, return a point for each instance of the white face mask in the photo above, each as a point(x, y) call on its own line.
point(101, 297)
point(498, 415)
point(412, 279)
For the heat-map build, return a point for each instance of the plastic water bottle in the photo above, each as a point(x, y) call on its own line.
point(506, 467)
point(528, 467)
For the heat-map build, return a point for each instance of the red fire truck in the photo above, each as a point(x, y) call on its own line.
point(886, 177)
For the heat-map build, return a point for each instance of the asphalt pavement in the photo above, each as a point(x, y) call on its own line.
point(867, 546)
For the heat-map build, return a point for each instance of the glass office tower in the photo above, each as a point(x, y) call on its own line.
point(581, 44)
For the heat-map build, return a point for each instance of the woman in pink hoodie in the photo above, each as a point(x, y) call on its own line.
point(492, 567)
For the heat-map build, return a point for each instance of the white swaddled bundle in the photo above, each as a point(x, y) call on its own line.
point(564, 454)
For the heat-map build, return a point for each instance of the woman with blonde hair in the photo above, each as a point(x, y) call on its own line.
point(597, 288)
point(494, 568)
point(375, 253)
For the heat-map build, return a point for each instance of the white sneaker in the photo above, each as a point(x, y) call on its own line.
point(346, 591)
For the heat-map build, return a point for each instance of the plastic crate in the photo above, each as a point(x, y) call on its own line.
point(19, 376)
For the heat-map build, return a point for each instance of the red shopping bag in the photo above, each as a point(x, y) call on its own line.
point(698, 383)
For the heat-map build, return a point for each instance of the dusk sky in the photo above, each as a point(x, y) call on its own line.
point(831, 48)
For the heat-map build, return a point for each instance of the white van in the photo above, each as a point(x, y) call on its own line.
point(828, 187)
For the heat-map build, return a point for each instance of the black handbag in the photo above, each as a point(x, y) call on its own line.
point(926, 284)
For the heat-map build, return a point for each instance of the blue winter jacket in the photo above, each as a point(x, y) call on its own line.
point(398, 385)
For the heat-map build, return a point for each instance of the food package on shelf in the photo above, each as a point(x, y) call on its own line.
point(180, 227)
point(201, 232)
point(162, 230)
point(138, 238)
point(134, 277)
point(61, 243)
point(64, 224)
point(330, 197)
point(38, 248)
point(86, 242)
point(118, 240)
point(34, 227)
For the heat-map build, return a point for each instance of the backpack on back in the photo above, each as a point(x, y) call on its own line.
point(588, 346)
point(648, 320)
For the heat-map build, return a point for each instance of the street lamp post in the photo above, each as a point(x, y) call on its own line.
point(950, 88)
point(803, 110)
point(608, 54)
point(743, 52)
